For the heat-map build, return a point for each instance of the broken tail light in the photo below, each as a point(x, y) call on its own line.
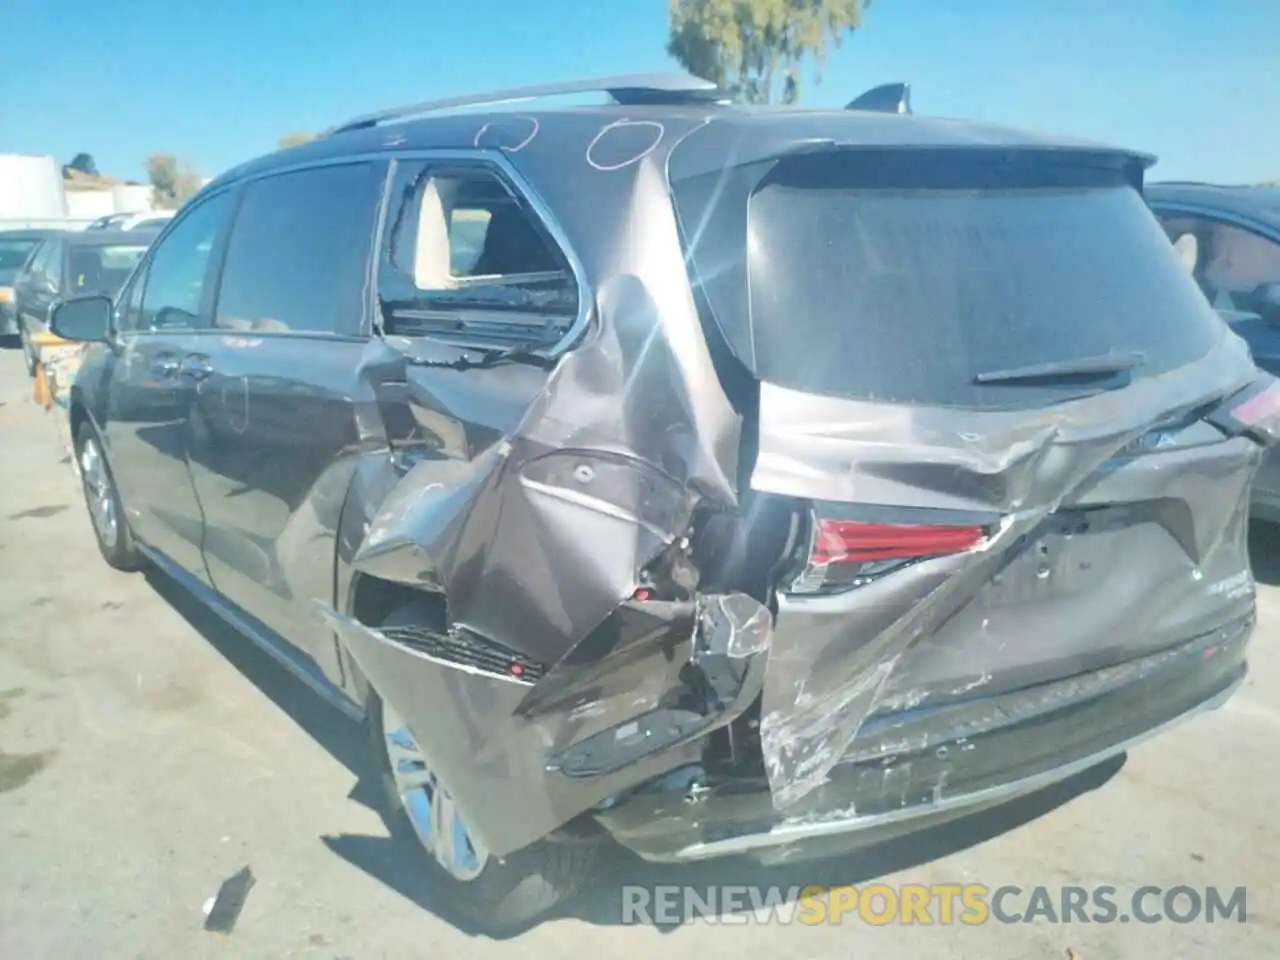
point(845, 553)
point(1254, 411)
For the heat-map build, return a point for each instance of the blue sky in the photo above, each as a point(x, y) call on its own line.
point(1195, 81)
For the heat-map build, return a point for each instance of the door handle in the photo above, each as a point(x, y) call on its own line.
point(196, 366)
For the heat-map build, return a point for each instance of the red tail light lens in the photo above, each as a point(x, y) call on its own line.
point(1261, 407)
point(1254, 411)
point(848, 553)
point(852, 541)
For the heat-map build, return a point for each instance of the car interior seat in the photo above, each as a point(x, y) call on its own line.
point(86, 269)
point(431, 255)
point(512, 244)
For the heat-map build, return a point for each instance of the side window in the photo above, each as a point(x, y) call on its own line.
point(36, 265)
point(1237, 263)
point(1183, 233)
point(178, 271)
point(53, 265)
point(298, 254)
point(462, 243)
point(1230, 263)
point(129, 309)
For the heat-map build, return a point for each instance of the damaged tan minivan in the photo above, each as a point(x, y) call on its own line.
point(714, 478)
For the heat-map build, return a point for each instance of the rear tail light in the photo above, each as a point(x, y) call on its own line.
point(850, 553)
point(1254, 411)
point(1262, 410)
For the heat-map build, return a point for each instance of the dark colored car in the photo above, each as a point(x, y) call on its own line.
point(153, 220)
point(16, 247)
point(109, 222)
point(72, 264)
point(766, 481)
point(1229, 239)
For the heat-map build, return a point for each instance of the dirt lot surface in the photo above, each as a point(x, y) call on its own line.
point(147, 753)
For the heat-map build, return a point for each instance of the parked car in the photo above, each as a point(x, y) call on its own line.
point(109, 222)
point(1228, 238)
point(769, 481)
point(16, 247)
point(148, 220)
point(70, 264)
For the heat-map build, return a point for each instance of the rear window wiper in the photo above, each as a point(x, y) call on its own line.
point(1100, 367)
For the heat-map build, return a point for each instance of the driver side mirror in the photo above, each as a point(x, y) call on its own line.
point(82, 319)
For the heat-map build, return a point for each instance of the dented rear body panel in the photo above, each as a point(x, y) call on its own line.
point(731, 561)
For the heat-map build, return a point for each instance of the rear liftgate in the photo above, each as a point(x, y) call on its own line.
point(961, 554)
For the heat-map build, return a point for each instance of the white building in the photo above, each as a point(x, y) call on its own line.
point(34, 193)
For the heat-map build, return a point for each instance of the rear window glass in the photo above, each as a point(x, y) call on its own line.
point(14, 253)
point(860, 284)
point(102, 269)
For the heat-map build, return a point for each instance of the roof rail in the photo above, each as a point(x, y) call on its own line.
point(886, 98)
point(639, 88)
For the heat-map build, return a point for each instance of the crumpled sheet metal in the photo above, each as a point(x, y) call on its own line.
point(534, 539)
point(494, 741)
point(833, 656)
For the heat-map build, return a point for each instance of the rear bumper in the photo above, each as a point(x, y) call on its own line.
point(910, 770)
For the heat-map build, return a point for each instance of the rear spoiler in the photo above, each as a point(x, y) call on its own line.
point(886, 98)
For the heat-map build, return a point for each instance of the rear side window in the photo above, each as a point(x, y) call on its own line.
point(53, 267)
point(102, 268)
point(14, 253)
point(298, 255)
point(466, 256)
point(35, 267)
point(910, 282)
point(1229, 263)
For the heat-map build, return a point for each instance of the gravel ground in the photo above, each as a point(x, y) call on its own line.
point(147, 753)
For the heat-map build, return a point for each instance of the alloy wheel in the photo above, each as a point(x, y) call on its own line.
point(98, 493)
point(430, 809)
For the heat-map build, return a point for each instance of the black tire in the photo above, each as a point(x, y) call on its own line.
point(123, 553)
point(510, 894)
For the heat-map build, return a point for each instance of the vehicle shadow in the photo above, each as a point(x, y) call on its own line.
point(396, 860)
point(1264, 552)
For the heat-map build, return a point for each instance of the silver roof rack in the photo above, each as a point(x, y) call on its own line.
point(631, 89)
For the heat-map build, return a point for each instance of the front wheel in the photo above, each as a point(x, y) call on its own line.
point(495, 895)
point(110, 528)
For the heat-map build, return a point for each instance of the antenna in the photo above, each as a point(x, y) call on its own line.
point(886, 98)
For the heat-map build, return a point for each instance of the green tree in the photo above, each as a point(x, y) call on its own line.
point(295, 139)
point(84, 163)
point(756, 47)
point(172, 183)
